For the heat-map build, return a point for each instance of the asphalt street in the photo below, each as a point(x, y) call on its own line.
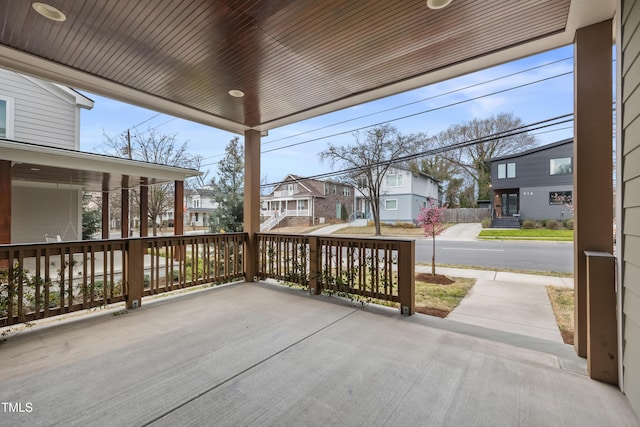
point(518, 255)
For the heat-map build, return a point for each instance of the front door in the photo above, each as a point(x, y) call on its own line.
point(510, 204)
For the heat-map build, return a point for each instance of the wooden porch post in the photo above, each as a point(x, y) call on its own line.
point(251, 201)
point(124, 214)
point(178, 209)
point(105, 215)
point(592, 170)
point(5, 201)
point(144, 209)
point(406, 277)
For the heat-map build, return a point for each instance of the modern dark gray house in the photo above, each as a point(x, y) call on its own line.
point(534, 184)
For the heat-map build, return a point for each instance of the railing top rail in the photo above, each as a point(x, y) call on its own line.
point(64, 244)
point(340, 238)
point(116, 242)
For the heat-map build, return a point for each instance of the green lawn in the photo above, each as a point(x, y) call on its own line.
point(533, 234)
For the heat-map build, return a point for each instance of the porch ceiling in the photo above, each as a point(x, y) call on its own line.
point(92, 172)
point(292, 59)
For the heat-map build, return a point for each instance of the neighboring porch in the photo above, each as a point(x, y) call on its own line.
point(506, 208)
point(285, 212)
point(262, 354)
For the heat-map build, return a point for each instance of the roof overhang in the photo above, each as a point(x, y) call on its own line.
point(293, 59)
point(43, 165)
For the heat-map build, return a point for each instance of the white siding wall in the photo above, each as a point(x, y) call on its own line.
point(424, 186)
point(40, 117)
point(405, 188)
point(630, 257)
point(43, 211)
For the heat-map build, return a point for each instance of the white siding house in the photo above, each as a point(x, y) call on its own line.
point(403, 193)
point(35, 111)
point(200, 205)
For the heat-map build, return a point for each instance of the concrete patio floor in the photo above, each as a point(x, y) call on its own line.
point(261, 354)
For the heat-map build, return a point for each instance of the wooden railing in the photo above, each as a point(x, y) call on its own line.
point(372, 268)
point(47, 279)
point(191, 261)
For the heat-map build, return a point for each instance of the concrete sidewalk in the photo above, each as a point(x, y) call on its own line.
point(508, 302)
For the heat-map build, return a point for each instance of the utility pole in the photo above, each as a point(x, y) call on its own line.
point(130, 225)
point(129, 144)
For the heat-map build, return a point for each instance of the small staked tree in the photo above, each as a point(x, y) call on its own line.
point(430, 219)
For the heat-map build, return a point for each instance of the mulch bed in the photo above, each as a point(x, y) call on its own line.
point(567, 336)
point(438, 279)
point(437, 312)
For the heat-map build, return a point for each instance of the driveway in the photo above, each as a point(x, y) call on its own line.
point(461, 232)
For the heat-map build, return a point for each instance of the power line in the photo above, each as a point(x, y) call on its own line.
point(145, 121)
point(421, 100)
point(418, 113)
point(503, 134)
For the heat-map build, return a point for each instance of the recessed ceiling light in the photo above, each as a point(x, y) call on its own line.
point(49, 12)
point(437, 4)
point(236, 93)
point(35, 169)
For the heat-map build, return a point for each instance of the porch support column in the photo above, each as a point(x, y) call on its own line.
point(592, 164)
point(144, 209)
point(251, 201)
point(5, 201)
point(124, 213)
point(105, 215)
point(178, 209)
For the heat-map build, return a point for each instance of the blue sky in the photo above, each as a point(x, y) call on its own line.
point(533, 103)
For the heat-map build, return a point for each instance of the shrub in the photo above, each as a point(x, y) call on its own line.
point(543, 223)
point(552, 224)
point(486, 222)
point(568, 224)
point(405, 225)
point(529, 224)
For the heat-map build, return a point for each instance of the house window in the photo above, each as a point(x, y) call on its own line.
point(326, 188)
point(560, 197)
point(196, 203)
point(394, 180)
point(560, 166)
point(301, 205)
point(506, 170)
point(362, 182)
point(196, 216)
point(346, 191)
point(6, 118)
point(391, 205)
point(292, 188)
point(335, 189)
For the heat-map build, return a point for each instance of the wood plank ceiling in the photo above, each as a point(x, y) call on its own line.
point(286, 56)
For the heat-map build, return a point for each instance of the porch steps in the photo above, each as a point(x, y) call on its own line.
point(505, 222)
point(271, 222)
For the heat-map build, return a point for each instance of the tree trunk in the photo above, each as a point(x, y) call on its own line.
point(433, 256)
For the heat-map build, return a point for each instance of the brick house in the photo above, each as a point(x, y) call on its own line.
point(300, 201)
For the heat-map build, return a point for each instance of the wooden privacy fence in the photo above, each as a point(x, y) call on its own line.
point(465, 215)
point(373, 268)
point(47, 279)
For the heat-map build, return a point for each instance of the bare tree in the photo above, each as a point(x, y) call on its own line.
point(200, 181)
point(472, 159)
point(368, 160)
point(155, 148)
